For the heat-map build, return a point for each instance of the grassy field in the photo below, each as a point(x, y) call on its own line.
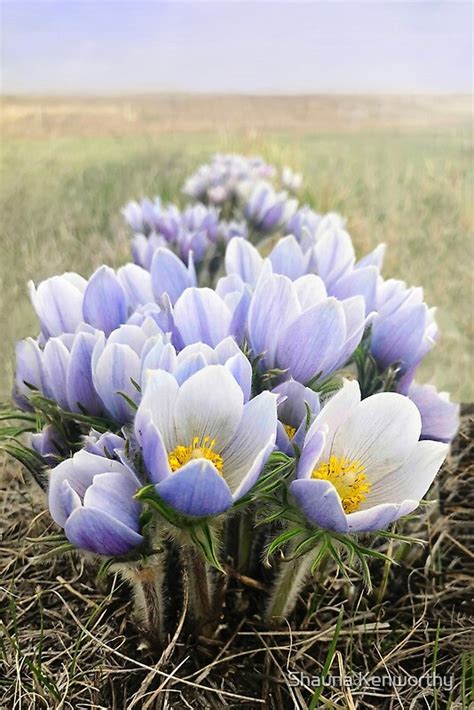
point(399, 170)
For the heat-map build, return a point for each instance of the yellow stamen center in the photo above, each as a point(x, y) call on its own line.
point(290, 430)
point(199, 449)
point(348, 478)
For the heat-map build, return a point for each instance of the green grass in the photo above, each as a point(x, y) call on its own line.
point(61, 200)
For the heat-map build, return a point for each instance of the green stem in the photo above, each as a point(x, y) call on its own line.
point(288, 583)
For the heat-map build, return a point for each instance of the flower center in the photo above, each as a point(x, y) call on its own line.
point(348, 478)
point(290, 430)
point(199, 449)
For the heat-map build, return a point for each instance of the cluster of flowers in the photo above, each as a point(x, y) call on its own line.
point(172, 397)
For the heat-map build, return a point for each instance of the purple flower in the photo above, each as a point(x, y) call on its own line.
point(202, 446)
point(49, 444)
point(61, 370)
point(267, 210)
point(403, 331)
point(439, 416)
point(92, 498)
point(295, 327)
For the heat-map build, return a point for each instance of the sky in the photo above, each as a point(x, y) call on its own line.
point(111, 47)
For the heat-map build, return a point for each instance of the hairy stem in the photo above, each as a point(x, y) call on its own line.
point(200, 588)
point(288, 583)
point(245, 541)
point(147, 582)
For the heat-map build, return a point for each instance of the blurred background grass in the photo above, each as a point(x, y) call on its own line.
point(398, 168)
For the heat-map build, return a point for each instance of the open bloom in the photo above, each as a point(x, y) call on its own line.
point(295, 327)
point(92, 498)
point(362, 464)
point(202, 446)
point(439, 416)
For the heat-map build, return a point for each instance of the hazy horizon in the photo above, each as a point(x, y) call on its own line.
point(97, 48)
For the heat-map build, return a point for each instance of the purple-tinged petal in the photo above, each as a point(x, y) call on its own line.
point(374, 258)
point(55, 364)
point(287, 258)
point(169, 275)
point(310, 290)
point(79, 471)
point(256, 468)
point(29, 370)
point(274, 305)
point(153, 448)
point(160, 393)
point(256, 428)
point(379, 516)
point(311, 453)
point(313, 342)
point(398, 338)
point(197, 489)
point(136, 283)
point(243, 259)
point(333, 255)
point(200, 315)
point(439, 416)
point(58, 303)
point(81, 393)
point(113, 493)
point(359, 282)
point(293, 410)
point(241, 369)
point(96, 531)
point(116, 367)
point(105, 303)
point(320, 503)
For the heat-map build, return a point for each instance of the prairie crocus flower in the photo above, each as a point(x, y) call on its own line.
point(403, 331)
point(202, 315)
point(58, 303)
point(199, 355)
point(296, 411)
point(92, 498)
point(49, 444)
point(362, 465)
point(119, 363)
point(61, 370)
point(296, 328)
point(267, 210)
point(307, 225)
point(439, 416)
point(62, 303)
point(202, 446)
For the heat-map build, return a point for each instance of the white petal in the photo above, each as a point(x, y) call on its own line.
point(335, 412)
point(413, 478)
point(159, 398)
point(210, 404)
point(380, 433)
point(257, 426)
